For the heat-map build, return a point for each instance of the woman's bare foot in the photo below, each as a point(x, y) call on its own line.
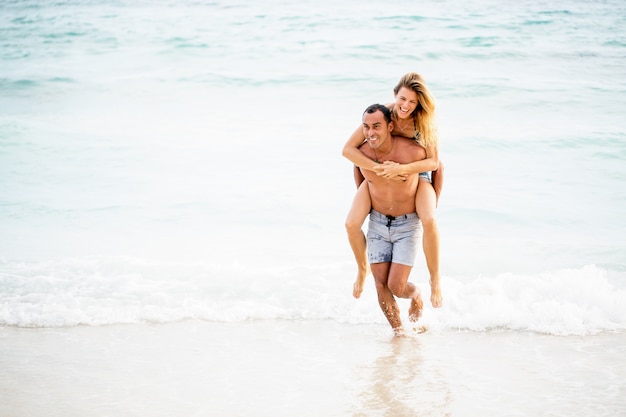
point(417, 305)
point(435, 294)
point(357, 289)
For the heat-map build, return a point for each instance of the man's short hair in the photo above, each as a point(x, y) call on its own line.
point(379, 107)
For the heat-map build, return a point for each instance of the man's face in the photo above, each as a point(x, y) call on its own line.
point(375, 129)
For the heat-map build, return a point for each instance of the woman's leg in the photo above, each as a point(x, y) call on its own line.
point(425, 203)
point(360, 209)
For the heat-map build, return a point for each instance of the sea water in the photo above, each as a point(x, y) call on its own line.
point(170, 160)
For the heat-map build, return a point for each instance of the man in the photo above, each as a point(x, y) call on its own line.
point(394, 230)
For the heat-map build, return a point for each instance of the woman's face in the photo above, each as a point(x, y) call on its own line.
point(406, 102)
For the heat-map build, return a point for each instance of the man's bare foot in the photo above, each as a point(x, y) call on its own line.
point(417, 305)
point(357, 288)
point(399, 332)
point(435, 294)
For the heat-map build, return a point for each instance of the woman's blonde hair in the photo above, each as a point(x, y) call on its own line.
point(424, 113)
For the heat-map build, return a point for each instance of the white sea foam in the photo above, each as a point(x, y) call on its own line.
point(99, 291)
point(569, 301)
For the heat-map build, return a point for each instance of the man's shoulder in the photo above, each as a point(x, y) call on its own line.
point(404, 139)
point(410, 147)
point(407, 143)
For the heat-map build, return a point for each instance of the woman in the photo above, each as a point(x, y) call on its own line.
point(413, 115)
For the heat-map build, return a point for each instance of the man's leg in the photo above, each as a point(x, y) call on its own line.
point(399, 285)
point(387, 302)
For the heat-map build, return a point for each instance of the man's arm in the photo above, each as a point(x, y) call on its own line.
point(358, 176)
point(437, 178)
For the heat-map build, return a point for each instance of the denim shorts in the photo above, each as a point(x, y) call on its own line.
point(426, 175)
point(393, 239)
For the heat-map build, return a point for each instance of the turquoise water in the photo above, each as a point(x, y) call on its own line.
point(166, 160)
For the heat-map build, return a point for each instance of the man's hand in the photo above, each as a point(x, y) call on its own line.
point(437, 178)
point(390, 170)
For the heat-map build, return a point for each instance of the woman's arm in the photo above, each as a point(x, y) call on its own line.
point(351, 151)
point(392, 169)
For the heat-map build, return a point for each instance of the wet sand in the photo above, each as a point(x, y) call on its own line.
point(306, 368)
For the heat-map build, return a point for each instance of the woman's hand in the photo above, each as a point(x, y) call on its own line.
point(390, 170)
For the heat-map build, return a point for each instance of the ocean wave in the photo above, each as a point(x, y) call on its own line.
point(101, 291)
point(17, 84)
point(576, 301)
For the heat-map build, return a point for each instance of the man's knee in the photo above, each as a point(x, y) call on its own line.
point(397, 288)
point(381, 286)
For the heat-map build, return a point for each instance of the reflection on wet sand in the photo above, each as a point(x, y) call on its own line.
point(402, 382)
